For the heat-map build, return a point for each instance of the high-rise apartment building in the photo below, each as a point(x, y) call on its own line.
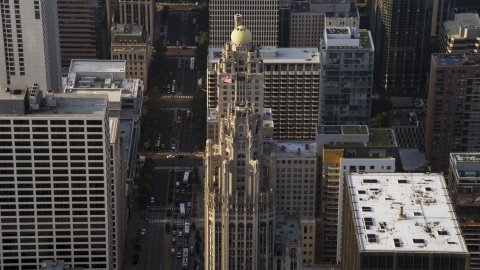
point(400, 221)
point(463, 183)
point(346, 149)
point(55, 173)
point(261, 18)
point(286, 80)
point(136, 12)
point(401, 35)
point(462, 34)
point(347, 77)
point(83, 30)
point(453, 107)
point(308, 20)
point(132, 44)
point(30, 48)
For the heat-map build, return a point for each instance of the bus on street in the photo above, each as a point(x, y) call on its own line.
point(192, 63)
point(182, 210)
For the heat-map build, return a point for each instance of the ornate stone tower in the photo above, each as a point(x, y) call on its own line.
point(239, 197)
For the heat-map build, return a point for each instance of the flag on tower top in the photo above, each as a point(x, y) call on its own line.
point(227, 79)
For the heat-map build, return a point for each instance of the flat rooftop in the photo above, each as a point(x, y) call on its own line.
point(408, 117)
point(462, 20)
point(376, 136)
point(97, 66)
point(466, 167)
point(291, 148)
point(68, 105)
point(270, 54)
point(428, 223)
point(413, 160)
point(455, 59)
point(340, 37)
point(288, 227)
point(301, 7)
point(13, 92)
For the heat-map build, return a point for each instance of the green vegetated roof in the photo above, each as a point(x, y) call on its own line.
point(354, 130)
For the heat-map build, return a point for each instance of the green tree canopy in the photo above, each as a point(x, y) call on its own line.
point(380, 120)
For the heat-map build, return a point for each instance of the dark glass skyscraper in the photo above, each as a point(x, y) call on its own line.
point(401, 32)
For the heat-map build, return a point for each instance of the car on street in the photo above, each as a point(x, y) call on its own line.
point(173, 88)
point(189, 194)
point(183, 191)
point(191, 250)
point(180, 233)
point(175, 215)
point(163, 146)
point(176, 209)
point(178, 43)
point(173, 146)
point(168, 42)
point(189, 204)
point(168, 91)
point(178, 190)
point(185, 245)
point(171, 156)
point(179, 245)
point(144, 231)
point(174, 240)
point(173, 82)
point(180, 226)
point(174, 226)
point(179, 255)
point(177, 201)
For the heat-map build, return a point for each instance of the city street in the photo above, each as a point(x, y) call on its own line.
point(177, 138)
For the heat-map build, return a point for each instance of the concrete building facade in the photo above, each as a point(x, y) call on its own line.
point(452, 107)
point(265, 31)
point(132, 44)
point(296, 171)
point(346, 149)
point(30, 48)
point(285, 80)
point(239, 178)
point(347, 57)
point(463, 183)
point(56, 166)
point(462, 34)
point(83, 30)
point(383, 229)
point(140, 12)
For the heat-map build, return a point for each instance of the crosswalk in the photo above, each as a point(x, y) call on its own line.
point(179, 57)
point(176, 153)
point(173, 168)
point(176, 109)
point(175, 96)
point(163, 221)
point(160, 208)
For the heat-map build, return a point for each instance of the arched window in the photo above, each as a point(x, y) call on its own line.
point(240, 129)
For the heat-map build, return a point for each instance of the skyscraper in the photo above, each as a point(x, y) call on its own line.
point(83, 30)
point(453, 103)
point(239, 196)
point(30, 48)
point(401, 34)
point(262, 17)
point(55, 174)
point(347, 79)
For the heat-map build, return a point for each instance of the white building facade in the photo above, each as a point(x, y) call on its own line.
point(56, 191)
point(30, 51)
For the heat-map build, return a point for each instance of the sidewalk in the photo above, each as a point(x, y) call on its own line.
point(134, 223)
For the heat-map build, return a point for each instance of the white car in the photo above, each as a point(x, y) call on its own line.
point(178, 43)
point(171, 156)
point(168, 42)
point(173, 146)
point(180, 233)
point(189, 204)
point(173, 82)
point(173, 88)
point(144, 231)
